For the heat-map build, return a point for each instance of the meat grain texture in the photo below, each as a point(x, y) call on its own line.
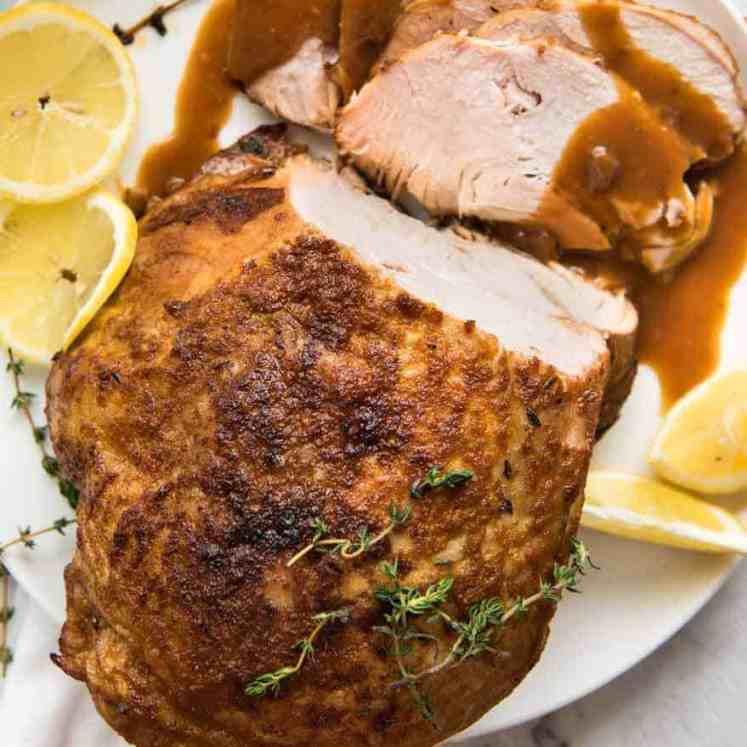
point(252, 374)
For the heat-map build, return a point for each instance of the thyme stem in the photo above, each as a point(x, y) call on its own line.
point(26, 536)
point(6, 656)
point(154, 19)
point(475, 633)
point(271, 681)
point(22, 401)
point(351, 549)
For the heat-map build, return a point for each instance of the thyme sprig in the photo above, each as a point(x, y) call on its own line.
point(405, 603)
point(476, 633)
point(351, 549)
point(454, 478)
point(27, 538)
point(271, 681)
point(398, 516)
point(154, 20)
point(22, 401)
point(6, 613)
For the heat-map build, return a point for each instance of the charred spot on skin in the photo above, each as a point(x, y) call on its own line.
point(506, 507)
point(68, 275)
point(175, 308)
point(508, 470)
point(253, 146)
point(533, 418)
point(409, 306)
point(44, 101)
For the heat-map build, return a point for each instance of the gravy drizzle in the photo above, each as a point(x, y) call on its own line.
point(267, 33)
point(681, 317)
point(203, 106)
point(662, 86)
point(682, 321)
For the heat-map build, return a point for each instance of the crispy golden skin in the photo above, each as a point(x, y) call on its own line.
point(248, 376)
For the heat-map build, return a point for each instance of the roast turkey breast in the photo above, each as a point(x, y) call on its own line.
point(272, 361)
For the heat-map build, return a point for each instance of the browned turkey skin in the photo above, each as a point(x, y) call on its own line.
point(251, 374)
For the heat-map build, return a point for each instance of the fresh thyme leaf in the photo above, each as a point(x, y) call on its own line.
point(6, 659)
point(400, 516)
point(475, 633)
point(24, 536)
point(22, 400)
point(51, 466)
point(40, 434)
point(15, 367)
point(70, 493)
point(6, 614)
point(434, 479)
point(271, 681)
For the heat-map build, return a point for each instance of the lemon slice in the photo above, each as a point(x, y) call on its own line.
point(702, 444)
point(58, 264)
point(642, 509)
point(68, 102)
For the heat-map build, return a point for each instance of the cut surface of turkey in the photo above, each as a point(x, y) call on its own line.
point(301, 60)
point(563, 118)
point(288, 349)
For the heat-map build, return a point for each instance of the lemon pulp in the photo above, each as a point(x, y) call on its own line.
point(67, 102)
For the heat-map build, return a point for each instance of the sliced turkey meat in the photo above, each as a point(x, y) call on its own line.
point(506, 131)
point(283, 57)
point(534, 309)
point(680, 67)
point(529, 305)
point(301, 61)
point(421, 20)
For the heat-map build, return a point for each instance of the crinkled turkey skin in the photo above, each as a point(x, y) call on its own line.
point(251, 375)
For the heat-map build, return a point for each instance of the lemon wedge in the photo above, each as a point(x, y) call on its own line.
point(58, 265)
point(702, 445)
point(68, 102)
point(642, 509)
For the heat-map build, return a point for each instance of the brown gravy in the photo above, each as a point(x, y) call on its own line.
point(682, 320)
point(267, 33)
point(203, 106)
point(649, 163)
point(662, 86)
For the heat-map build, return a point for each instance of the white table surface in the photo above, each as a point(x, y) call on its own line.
point(690, 693)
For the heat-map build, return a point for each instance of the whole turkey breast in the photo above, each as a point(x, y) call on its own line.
point(255, 374)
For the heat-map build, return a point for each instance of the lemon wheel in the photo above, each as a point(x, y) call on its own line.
point(68, 102)
point(702, 444)
point(642, 509)
point(58, 265)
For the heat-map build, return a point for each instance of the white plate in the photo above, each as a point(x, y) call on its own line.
point(643, 594)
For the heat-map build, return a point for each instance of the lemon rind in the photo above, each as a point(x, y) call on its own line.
point(731, 485)
point(25, 17)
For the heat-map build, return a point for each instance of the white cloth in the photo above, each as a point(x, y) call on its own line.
point(39, 705)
